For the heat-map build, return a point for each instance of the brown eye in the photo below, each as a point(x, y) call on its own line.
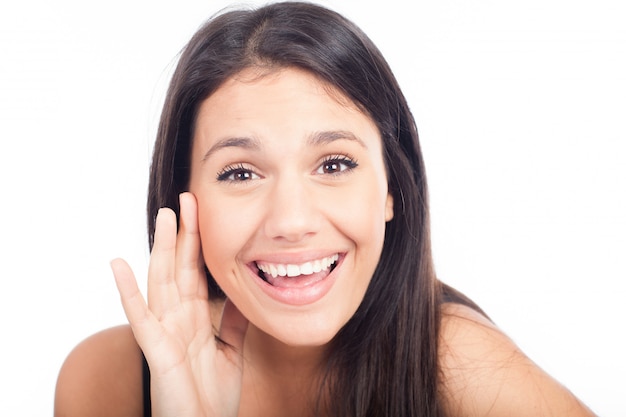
point(336, 165)
point(241, 176)
point(237, 173)
point(331, 167)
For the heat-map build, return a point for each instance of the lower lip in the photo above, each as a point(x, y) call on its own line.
point(299, 296)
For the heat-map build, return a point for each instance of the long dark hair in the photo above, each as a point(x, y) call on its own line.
point(383, 362)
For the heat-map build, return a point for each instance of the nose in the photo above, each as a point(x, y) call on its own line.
point(292, 210)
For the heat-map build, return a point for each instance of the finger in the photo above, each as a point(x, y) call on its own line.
point(233, 326)
point(190, 275)
point(135, 307)
point(148, 332)
point(162, 289)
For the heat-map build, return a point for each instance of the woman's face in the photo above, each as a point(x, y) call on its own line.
point(292, 201)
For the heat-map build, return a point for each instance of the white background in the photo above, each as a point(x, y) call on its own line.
point(521, 108)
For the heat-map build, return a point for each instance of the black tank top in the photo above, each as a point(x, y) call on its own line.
point(145, 377)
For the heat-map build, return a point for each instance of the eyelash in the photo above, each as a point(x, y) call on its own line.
point(232, 170)
point(336, 160)
point(349, 163)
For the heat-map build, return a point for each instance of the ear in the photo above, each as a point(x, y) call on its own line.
point(389, 208)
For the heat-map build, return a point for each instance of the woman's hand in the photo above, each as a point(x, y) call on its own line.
point(192, 374)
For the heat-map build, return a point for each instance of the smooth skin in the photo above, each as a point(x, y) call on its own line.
point(262, 370)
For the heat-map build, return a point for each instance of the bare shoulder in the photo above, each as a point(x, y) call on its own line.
point(102, 376)
point(484, 373)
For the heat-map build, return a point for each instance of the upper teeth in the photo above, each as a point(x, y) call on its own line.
point(293, 270)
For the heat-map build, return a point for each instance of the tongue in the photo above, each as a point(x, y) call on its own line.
point(300, 281)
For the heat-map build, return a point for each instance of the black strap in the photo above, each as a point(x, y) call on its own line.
point(145, 376)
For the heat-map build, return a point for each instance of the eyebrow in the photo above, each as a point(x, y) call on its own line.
point(328, 136)
point(315, 139)
point(237, 142)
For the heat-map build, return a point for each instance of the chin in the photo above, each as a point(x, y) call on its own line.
point(303, 334)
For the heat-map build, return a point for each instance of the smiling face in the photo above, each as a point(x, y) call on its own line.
point(292, 201)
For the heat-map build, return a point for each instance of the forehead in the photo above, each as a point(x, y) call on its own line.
point(294, 77)
point(257, 93)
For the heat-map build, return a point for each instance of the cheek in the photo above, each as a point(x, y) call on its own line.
point(223, 233)
point(361, 215)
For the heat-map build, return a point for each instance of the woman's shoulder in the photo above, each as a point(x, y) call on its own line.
point(102, 376)
point(484, 373)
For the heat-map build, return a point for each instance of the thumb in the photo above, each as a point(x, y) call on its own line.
point(233, 326)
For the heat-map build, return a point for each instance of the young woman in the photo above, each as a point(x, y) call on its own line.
point(291, 272)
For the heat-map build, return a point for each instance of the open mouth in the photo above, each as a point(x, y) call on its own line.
point(297, 275)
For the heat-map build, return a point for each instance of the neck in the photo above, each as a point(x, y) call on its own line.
point(279, 360)
point(280, 379)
